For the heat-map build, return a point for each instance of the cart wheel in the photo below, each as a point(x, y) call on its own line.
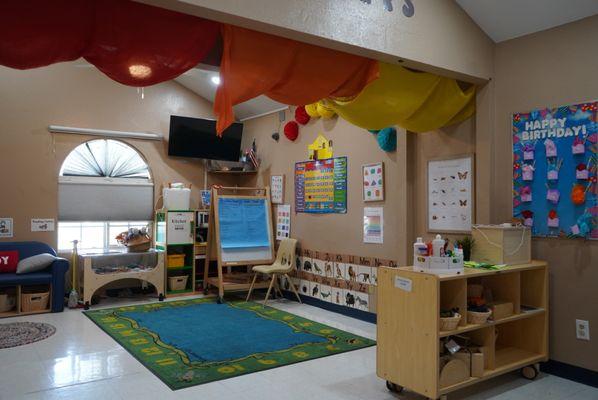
point(393, 387)
point(86, 306)
point(219, 301)
point(530, 372)
point(161, 297)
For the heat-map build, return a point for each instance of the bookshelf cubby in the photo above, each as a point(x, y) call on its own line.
point(409, 335)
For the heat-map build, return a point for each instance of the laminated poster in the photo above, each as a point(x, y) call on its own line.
point(321, 186)
point(277, 189)
point(450, 200)
point(373, 225)
point(283, 221)
point(373, 182)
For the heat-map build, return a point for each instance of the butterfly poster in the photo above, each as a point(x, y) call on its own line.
point(450, 198)
point(373, 182)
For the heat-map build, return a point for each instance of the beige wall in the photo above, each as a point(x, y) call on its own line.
point(440, 37)
point(80, 96)
point(336, 233)
point(551, 68)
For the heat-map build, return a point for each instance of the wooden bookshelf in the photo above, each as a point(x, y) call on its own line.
point(409, 326)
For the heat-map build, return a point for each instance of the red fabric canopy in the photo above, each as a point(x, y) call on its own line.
point(134, 44)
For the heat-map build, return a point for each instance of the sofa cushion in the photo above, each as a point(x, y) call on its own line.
point(9, 261)
point(35, 263)
point(34, 278)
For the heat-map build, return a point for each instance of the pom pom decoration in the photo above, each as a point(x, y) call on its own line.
point(291, 130)
point(312, 110)
point(301, 116)
point(578, 195)
point(325, 111)
point(387, 139)
point(374, 131)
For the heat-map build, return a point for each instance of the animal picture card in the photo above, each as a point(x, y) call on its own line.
point(277, 189)
point(283, 221)
point(337, 296)
point(450, 194)
point(325, 293)
point(373, 182)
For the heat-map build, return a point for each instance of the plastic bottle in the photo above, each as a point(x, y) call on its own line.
point(438, 246)
point(419, 248)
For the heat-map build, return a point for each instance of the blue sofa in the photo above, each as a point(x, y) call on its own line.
point(53, 275)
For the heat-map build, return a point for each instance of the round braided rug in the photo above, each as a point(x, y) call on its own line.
point(19, 333)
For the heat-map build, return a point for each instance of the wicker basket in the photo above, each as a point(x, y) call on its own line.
point(177, 282)
point(474, 317)
point(450, 323)
point(34, 301)
point(138, 248)
point(7, 302)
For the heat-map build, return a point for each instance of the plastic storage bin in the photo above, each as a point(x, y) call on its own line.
point(176, 260)
point(177, 282)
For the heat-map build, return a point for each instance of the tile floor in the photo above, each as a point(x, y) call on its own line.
point(82, 362)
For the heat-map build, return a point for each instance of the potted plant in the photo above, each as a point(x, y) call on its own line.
point(466, 244)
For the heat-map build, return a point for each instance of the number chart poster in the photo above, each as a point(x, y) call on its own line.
point(321, 186)
point(554, 170)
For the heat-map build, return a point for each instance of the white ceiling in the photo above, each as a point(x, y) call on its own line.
point(508, 19)
point(199, 81)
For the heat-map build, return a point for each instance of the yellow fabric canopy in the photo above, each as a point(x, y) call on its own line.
point(416, 101)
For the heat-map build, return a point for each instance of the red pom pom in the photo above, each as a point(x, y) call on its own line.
point(291, 130)
point(301, 116)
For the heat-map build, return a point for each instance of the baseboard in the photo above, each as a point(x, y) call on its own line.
point(348, 311)
point(571, 372)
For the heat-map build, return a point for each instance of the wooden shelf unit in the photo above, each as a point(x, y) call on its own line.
point(175, 234)
point(17, 311)
point(408, 323)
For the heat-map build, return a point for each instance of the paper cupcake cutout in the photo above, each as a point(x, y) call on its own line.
point(581, 171)
point(527, 172)
point(553, 195)
point(553, 219)
point(550, 148)
point(578, 195)
point(528, 151)
point(528, 218)
point(526, 194)
point(552, 174)
point(582, 227)
point(578, 146)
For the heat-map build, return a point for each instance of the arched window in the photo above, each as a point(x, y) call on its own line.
point(105, 158)
point(104, 188)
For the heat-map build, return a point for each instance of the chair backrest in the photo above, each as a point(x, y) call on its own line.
point(286, 253)
point(27, 249)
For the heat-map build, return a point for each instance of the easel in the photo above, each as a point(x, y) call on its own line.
point(214, 249)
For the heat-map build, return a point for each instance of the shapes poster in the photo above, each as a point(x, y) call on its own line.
point(373, 182)
point(283, 221)
point(373, 225)
point(321, 186)
point(450, 199)
point(554, 170)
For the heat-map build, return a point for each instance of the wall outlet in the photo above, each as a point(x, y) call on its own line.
point(582, 329)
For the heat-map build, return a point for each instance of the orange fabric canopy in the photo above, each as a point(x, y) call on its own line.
point(291, 72)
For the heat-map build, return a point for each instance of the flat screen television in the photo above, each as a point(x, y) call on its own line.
point(196, 138)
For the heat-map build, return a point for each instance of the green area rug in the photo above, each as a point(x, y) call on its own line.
point(190, 342)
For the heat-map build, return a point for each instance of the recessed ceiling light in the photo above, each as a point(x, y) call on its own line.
point(140, 71)
point(215, 80)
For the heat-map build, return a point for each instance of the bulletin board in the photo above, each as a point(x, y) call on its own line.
point(450, 194)
point(321, 186)
point(244, 226)
point(554, 170)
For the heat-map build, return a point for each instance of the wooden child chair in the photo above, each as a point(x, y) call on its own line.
point(285, 260)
